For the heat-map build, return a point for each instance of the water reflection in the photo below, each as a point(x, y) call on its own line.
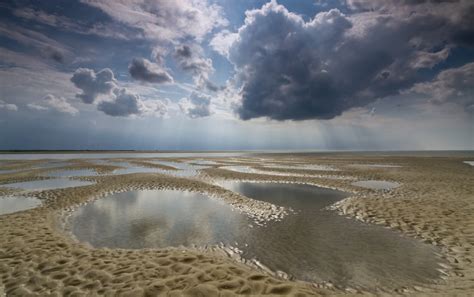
point(11, 204)
point(48, 184)
point(145, 219)
point(312, 244)
point(72, 173)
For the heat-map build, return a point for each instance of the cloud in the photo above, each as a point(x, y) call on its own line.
point(222, 41)
point(165, 20)
point(429, 60)
point(196, 106)
point(452, 85)
point(44, 45)
point(143, 70)
point(292, 69)
point(190, 59)
point(64, 23)
point(155, 108)
point(125, 103)
point(58, 104)
point(34, 106)
point(8, 106)
point(93, 84)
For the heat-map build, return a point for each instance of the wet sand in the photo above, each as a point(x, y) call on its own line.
point(433, 203)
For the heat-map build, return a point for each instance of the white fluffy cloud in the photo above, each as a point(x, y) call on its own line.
point(222, 41)
point(93, 84)
point(452, 85)
point(191, 59)
point(196, 105)
point(8, 106)
point(58, 104)
point(124, 103)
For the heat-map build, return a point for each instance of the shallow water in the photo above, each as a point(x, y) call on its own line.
point(145, 219)
point(72, 173)
point(11, 204)
point(376, 184)
point(21, 156)
point(375, 166)
point(48, 184)
point(137, 169)
point(312, 244)
point(304, 167)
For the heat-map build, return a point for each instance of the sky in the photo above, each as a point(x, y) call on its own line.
point(232, 75)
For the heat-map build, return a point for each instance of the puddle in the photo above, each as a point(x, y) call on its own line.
point(11, 204)
point(48, 184)
point(72, 173)
point(376, 184)
point(146, 219)
point(312, 244)
point(2, 171)
point(203, 162)
point(134, 169)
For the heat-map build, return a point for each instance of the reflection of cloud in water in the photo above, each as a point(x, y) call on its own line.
point(57, 183)
point(154, 219)
point(11, 204)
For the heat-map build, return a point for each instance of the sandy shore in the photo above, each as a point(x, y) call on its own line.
point(435, 203)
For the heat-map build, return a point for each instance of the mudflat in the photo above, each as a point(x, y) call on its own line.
point(433, 203)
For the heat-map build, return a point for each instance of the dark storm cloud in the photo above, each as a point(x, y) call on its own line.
point(93, 84)
point(146, 71)
point(296, 70)
point(124, 104)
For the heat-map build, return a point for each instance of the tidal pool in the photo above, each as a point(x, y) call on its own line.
point(155, 218)
point(311, 244)
point(11, 204)
point(48, 184)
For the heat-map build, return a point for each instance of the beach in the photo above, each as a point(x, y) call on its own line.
point(432, 203)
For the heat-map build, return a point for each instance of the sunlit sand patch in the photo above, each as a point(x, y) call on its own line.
point(376, 184)
point(11, 204)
